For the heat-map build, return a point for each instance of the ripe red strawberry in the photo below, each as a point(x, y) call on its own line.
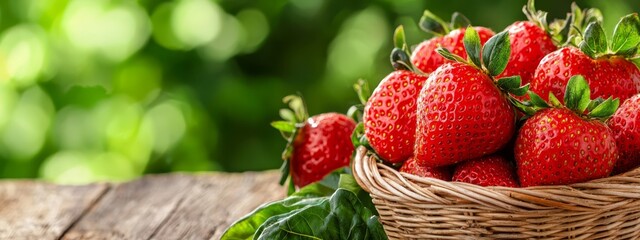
point(412, 167)
point(603, 64)
point(562, 145)
point(317, 145)
point(390, 115)
point(625, 124)
point(425, 57)
point(492, 170)
point(530, 41)
point(529, 44)
point(321, 146)
point(462, 114)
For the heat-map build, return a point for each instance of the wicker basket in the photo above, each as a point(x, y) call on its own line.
point(413, 207)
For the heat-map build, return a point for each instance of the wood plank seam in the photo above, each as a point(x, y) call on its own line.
point(166, 219)
point(86, 210)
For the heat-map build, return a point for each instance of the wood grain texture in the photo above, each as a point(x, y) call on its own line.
point(215, 203)
point(132, 210)
point(35, 210)
point(169, 206)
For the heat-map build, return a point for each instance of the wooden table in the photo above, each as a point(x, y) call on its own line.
point(171, 206)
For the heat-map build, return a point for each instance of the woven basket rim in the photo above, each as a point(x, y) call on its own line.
point(387, 183)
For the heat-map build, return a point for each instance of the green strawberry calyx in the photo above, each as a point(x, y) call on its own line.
point(563, 32)
point(577, 99)
point(624, 42)
point(431, 23)
point(294, 119)
point(400, 59)
point(492, 59)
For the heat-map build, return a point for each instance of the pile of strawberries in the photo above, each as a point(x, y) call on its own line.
point(535, 104)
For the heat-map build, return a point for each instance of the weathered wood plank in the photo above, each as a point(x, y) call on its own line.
point(216, 202)
point(36, 210)
point(133, 210)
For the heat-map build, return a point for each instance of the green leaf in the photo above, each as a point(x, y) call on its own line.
point(296, 103)
point(522, 107)
point(357, 133)
point(400, 60)
point(554, 100)
point(508, 83)
point(594, 103)
point(287, 115)
point(284, 126)
point(626, 35)
point(445, 53)
point(537, 101)
point(332, 180)
point(594, 42)
point(431, 23)
point(399, 37)
point(340, 217)
point(284, 171)
point(362, 90)
point(349, 183)
point(459, 21)
point(521, 91)
point(605, 109)
point(246, 227)
point(472, 45)
point(577, 95)
point(495, 54)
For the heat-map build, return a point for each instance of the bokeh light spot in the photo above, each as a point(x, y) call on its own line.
point(23, 54)
point(196, 22)
point(114, 31)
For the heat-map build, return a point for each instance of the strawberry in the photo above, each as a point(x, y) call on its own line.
point(530, 42)
point(317, 145)
point(606, 66)
point(390, 113)
point(564, 145)
point(462, 112)
point(411, 166)
point(425, 57)
point(492, 170)
point(625, 124)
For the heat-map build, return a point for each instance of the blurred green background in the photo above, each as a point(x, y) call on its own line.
point(94, 90)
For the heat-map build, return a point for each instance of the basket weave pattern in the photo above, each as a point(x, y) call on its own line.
point(413, 207)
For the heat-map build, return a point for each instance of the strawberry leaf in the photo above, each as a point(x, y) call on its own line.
point(626, 36)
point(472, 45)
point(594, 42)
point(399, 38)
point(362, 90)
point(400, 60)
point(495, 54)
point(287, 115)
point(431, 23)
point(459, 21)
point(508, 83)
point(605, 109)
point(521, 91)
point(522, 106)
point(537, 101)
point(554, 100)
point(284, 126)
point(357, 134)
point(594, 103)
point(445, 53)
point(284, 170)
point(577, 95)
